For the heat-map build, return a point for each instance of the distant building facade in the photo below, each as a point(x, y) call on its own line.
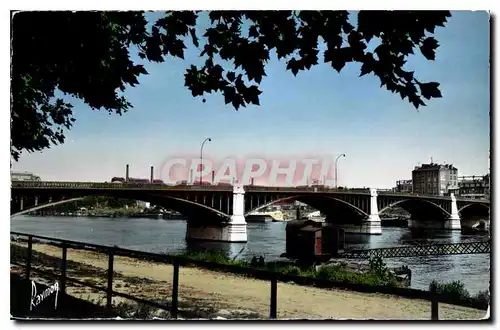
point(24, 176)
point(435, 179)
point(474, 186)
point(487, 185)
point(404, 186)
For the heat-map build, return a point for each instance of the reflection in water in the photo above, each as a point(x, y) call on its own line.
point(268, 240)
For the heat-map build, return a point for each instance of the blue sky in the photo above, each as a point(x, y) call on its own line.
point(317, 112)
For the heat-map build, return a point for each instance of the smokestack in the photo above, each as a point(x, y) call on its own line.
point(213, 177)
point(191, 177)
point(252, 181)
point(126, 173)
point(152, 175)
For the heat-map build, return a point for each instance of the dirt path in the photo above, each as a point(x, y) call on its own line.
point(224, 290)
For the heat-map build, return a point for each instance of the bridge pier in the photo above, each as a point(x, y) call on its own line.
point(453, 221)
point(235, 230)
point(371, 225)
point(373, 222)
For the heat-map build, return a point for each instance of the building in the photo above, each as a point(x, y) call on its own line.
point(404, 186)
point(24, 176)
point(487, 184)
point(435, 179)
point(477, 187)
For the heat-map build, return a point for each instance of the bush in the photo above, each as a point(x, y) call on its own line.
point(454, 290)
point(482, 297)
point(284, 268)
point(337, 273)
point(290, 270)
point(379, 269)
point(329, 272)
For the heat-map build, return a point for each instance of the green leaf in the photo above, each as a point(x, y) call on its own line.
point(229, 93)
point(254, 92)
point(365, 69)
point(429, 47)
point(293, 65)
point(231, 76)
point(252, 32)
point(430, 90)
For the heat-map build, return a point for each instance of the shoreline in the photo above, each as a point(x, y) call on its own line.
point(112, 214)
point(233, 293)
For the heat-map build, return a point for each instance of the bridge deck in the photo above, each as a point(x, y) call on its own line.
point(421, 250)
point(223, 187)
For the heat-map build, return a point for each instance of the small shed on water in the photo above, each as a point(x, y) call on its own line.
point(307, 239)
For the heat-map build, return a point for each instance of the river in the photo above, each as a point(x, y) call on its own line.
point(266, 239)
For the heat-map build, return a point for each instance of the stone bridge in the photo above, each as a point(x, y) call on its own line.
point(218, 212)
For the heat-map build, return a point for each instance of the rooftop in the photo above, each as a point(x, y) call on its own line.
point(434, 166)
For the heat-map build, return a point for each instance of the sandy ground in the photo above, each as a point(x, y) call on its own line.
point(231, 292)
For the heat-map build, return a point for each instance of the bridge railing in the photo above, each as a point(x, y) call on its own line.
point(177, 261)
point(107, 185)
point(299, 189)
point(132, 185)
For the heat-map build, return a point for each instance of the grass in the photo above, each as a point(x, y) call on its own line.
point(212, 256)
point(379, 274)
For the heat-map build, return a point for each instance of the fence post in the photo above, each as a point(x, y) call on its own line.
point(109, 293)
point(28, 257)
point(175, 291)
point(434, 304)
point(64, 266)
point(274, 298)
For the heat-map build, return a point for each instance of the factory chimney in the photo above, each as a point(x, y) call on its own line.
point(152, 175)
point(126, 173)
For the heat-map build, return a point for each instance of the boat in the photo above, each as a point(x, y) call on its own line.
point(270, 214)
point(315, 216)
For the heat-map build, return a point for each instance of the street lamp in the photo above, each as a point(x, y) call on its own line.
point(336, 169)
point(201, 156)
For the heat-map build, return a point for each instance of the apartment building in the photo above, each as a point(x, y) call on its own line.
point(435, 179)
point(474, 186)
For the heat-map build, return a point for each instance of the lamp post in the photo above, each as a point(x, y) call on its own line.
point(336, 169)
point(201, 156)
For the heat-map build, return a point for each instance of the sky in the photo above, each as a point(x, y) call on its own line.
point(319, 112)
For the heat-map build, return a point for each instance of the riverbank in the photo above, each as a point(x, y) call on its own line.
point(128, 214)
point(216, 293)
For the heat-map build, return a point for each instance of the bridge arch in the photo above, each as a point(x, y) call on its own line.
point(474, 211)
point(474, 205)
point(419, 208)
point(320, 202)
point(43, 206)
point(192, 210)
